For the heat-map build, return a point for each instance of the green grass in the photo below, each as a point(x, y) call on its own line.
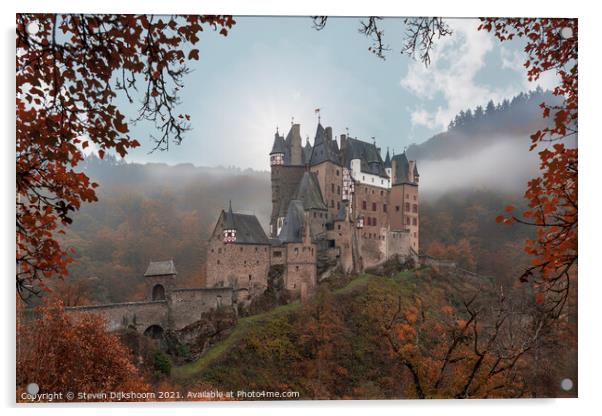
point(242, 328)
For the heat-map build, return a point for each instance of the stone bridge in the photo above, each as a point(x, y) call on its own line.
point(168, 307)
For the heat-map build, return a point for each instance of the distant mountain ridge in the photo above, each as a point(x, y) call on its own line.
point(474, 130)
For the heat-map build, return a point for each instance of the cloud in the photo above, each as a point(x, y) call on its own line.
point(456, 61)
point(515, 60)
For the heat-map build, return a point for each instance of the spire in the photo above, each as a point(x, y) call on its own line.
point(387, 159)
point(229, 221)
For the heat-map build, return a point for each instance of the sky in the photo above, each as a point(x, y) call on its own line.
point(271, 69)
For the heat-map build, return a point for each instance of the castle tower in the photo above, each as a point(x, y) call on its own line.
point(325, 162)
point(403, 214)
point(160, 277)
point(287, 163)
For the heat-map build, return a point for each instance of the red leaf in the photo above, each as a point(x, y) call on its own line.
point(194, 54)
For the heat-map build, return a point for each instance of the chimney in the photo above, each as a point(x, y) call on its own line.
point(343, 141)
point(328, 132)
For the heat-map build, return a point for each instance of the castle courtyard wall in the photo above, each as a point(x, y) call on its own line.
point(140, 315)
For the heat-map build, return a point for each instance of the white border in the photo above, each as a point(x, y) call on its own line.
point(590, 150)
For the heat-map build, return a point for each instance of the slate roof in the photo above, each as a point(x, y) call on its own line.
point(160, 268)
point(401, 169)
point(342, 213)
point(387, 160)
point(229, 220)
point(309, 192)
point(324, 149)
point(248, 229)
point(279, 145)
point(307, 149)
point(292, 229)
point(416, 169)
point(369, 155)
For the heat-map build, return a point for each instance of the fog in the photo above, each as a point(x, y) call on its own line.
point(505, 166)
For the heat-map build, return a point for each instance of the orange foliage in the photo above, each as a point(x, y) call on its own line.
point(67, 77)
point(551, 46)
point(65, 354)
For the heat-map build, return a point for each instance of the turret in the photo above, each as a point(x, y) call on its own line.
point(229, 226)
point(278, 150)
point(388, 168)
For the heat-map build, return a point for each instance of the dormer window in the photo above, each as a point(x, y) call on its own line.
point(229, 236)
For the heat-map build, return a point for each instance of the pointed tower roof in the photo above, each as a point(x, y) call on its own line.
point(309, 192)
point(416, 169)
point(229, 223)
point(307, 151)
point(387, 159)
point(324, 149)
point(279, 145)
point(292, 229)
point(402, 168)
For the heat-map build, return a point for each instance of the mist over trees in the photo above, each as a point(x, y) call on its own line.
point(484, 147)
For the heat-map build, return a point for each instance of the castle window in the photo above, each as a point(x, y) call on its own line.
point(374, 206)
point(218, 262)
point(315, 214)
point(245, 262)
point(250, 277)
point(396, 208)
point(338, 205)
point(407, 220)
point(297, 268)
point(339, 226)
point(414, 222)
point(415, 208)
point(219, 251)
point(337, 172)
point(257, 262)
point(277, 253)
point(407, 205)
point(158, 292)
point(212, 250)
point(364, 204)
point(414, 197)
point(332, 203)
point(374, 221)
point(369, 220)
point(256, 249)
point(384, 207)
point(296, 250)
point(241, 249)
point(332, 187)
point(338, 190)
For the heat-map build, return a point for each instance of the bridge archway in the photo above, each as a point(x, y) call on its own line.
point(154, 332)
point(158, 292)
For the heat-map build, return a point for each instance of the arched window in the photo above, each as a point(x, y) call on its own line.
point(158, 292)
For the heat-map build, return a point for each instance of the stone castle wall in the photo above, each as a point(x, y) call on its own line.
point(139, 315)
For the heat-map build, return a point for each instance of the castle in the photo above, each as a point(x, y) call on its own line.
point(336, 203)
